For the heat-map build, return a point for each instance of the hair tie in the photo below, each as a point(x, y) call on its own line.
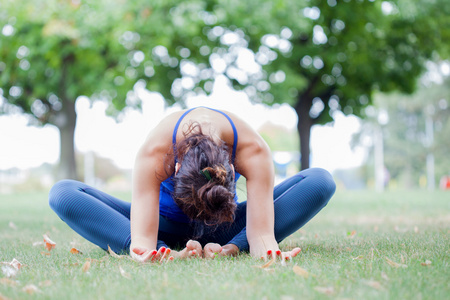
point(206, 174)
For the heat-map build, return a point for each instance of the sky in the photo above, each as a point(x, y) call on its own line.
point(24, 146)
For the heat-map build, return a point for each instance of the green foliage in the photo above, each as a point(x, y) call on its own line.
point(406, 143)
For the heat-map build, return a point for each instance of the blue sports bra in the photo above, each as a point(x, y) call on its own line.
point(167, 206)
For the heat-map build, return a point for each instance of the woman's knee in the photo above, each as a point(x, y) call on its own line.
point(61, 194)
point(324, 183)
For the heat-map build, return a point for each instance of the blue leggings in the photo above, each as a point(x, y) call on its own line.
point(105, 220)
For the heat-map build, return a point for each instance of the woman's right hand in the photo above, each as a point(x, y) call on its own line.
point(140, 254)
point(193, 249)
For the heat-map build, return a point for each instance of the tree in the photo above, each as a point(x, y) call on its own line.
point(406, 140)
point(323, 56)
point(53, 51)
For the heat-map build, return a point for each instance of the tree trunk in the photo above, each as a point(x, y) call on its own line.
point(304, 125)
point(66, 121)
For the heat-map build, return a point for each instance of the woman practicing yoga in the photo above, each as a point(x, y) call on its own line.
point(184, 195)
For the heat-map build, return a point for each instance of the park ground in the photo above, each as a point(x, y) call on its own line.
point(363, 245)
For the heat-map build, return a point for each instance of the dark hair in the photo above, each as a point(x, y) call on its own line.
point(204, 186)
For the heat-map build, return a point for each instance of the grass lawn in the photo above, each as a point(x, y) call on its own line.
point(363, 245)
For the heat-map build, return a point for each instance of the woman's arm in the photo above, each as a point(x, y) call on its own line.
point(145, 200)
point(257, 167)
point(254, 162)
point(148, 173)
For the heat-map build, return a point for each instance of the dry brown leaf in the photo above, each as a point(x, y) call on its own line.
point(374, 284)
point(49, 244)
point(3, 297)
point(114, 254)
point(268, 264)
point(8, 282)
point(86, 266)
point(300, 271)
point(426, 263)
point(325, 290)
point(10, 269)
point(123, 273)
point(75, 251)
point(16, 264)
point(394, 264)
point(45, 253)
point(30, 289)
point(352, 234)
point(45, 283)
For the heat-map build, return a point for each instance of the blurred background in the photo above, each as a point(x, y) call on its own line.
point(358, 87)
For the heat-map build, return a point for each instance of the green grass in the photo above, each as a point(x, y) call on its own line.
point(408, 227)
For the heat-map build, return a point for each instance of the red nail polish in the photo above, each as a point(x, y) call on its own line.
point(171, 258)
point(194, 252)
point(154, 252)
point(168, 251)
point(269, 252)
point(278, 252)
point(286, 258)
point(163, 249)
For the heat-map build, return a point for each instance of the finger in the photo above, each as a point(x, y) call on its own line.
point(158, 254)
point(145, 256)
point(194, 245)
point(139, 251)
point(165, 255)
point(295, 251)
point(270, 254)
point(192, 253)
point(279, 254)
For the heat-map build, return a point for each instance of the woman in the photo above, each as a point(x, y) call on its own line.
point(184, 194)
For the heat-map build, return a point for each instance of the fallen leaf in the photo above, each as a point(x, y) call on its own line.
point(10, 269)
point(123, 273)
point(114, 254)
point(49, 244)
point(394, 264)
point(300, 271)
point(75, 251)
point(358, 257)
point(45, 253)
point(86, 266)
point(30, 289)
point(12, 225)
point(374, 284)
point(325, 290)
point(3, 297)
point(45, 283)
point(351, 234)
point(8, 282)
point(268, 264)
point(16, 264)
point(426, 263)
point(384, 276)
